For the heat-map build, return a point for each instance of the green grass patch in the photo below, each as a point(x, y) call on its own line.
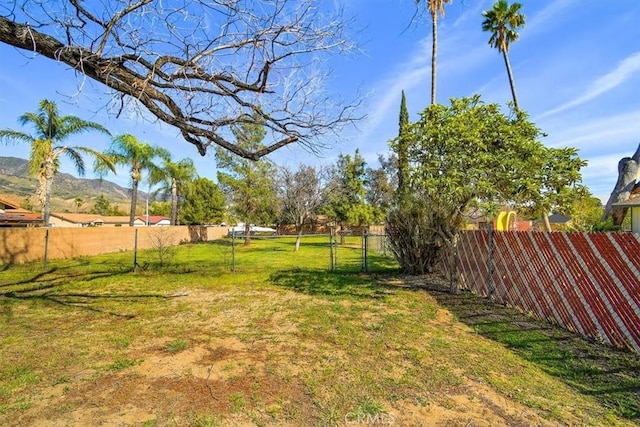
point(120, 364)
point(177, 345)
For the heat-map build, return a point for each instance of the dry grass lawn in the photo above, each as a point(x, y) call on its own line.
point(280, 342)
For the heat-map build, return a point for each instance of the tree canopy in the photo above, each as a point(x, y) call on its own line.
point(198, 65)
point(203, 203)
point(139, 157)
point(347, 200)
point(471, 152)
point(250, 186)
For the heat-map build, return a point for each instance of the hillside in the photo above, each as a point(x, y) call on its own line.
point(15, 181)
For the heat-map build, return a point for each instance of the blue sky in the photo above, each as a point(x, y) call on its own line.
point(576, 68)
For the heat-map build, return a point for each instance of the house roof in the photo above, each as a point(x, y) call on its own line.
point(7, 202)
point(116, 219)
point(557, 218)
point(77, 218)
point(81, 218)
point(17, 218)
point(153, 219)
point(633, 202)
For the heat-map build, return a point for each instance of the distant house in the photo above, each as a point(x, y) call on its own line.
point(633, 204)
point(90, 220)
point(154, 220)
point(12, 215)
point(559, 221)
point(121, 221)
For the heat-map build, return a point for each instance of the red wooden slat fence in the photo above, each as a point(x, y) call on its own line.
point(588, 283)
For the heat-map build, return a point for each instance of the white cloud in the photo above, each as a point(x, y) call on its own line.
point(625, 69)
point(597, 134)
point(542, 20)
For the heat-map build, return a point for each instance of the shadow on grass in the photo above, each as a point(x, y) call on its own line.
point(64, 275)
point(612, 376)
point(49, 287)
point(334, 284)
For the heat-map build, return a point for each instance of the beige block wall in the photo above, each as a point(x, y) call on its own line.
point(19, 245)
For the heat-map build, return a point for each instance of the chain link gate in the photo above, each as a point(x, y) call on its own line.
point(357, 252)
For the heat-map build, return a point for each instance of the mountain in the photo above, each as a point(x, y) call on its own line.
point(15, 181)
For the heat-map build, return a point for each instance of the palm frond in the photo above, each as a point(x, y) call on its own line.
point(71, 125)
point(8, 136)
point(74, 154)
point(104, 161)
point(49, 116)
point(103, 164)
point(38, 122)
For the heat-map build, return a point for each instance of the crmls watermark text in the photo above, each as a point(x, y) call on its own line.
point(362, 418)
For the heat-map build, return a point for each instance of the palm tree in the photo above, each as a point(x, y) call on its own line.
point(78, 201)
point(127, 150)
point(435, 7)
point(173, 176)
point(502, 22)
point(47, 146)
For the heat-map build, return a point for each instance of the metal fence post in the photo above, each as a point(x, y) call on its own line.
point(135, 250)
point(365, 247)
point(490, 264)
point(332, 254)
point(233, 251)
point(46, 248)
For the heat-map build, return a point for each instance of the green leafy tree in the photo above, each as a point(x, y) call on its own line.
point(27, 204)
point(401, 148)
point(48, 145)
point(160, 208)
point(173, 177)
point(347, 200)
point(78, 201)
point(102, 206)
point(140, 157)
point(503, 22)
point(203, 203)
point(465, 153)
point(560, 174)
point(585, 211)
point(379, 190)
point(248, 184)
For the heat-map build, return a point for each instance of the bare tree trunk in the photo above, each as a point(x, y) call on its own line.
point(434, 58)
point(134, 202)
point(247, 234)
point(48, 183)
point(545, 220)
point(628, 183)
point(511, 81)
point(300, 228)
point(174, 202)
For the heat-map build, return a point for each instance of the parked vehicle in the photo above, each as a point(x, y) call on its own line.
point(239, 230)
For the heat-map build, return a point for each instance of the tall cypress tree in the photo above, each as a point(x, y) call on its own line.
point(403, 155)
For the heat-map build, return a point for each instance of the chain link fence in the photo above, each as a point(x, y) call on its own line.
point(346, 251)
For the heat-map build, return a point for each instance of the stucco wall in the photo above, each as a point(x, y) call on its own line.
point(18, 245)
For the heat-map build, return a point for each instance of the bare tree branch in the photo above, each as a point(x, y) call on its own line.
point(202, 66)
